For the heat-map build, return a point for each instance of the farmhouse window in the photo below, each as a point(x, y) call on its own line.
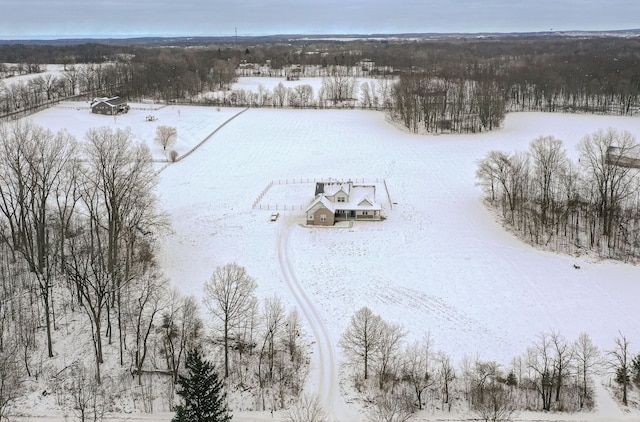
point(323, 218)
point(310, 216)
point(341, 199)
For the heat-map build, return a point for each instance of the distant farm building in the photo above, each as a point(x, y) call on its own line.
point(110, 106)
point(248, 69)
point(366, 65)
point(293, 73)
point(338, 201)
point(627, 157)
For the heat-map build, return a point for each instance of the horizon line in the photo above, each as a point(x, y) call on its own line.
point(44, 37)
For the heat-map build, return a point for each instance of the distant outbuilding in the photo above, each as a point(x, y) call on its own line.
point(624, 157)
point(109, 106)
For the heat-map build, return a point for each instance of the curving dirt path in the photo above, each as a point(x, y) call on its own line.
point(323, 377)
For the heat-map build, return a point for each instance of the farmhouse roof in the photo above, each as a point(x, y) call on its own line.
point(330, 189)
point(324, 201)
point(360, 197)
point(114, 101)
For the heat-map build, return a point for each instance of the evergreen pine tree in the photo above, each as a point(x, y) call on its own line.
point(202, 392)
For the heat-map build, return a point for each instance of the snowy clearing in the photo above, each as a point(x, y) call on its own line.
point(439, 262)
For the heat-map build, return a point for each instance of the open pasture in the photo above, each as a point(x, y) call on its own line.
point(439, 262)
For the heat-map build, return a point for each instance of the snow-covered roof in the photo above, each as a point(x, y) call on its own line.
point(360, 197)
point(322, 200)
point(331, 188)
point(113, 101)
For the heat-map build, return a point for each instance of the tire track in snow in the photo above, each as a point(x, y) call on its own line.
point(325, 371)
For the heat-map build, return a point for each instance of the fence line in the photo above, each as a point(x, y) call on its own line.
point(279, 207)
point(262, 194)
point(186, 154)
point(324, 180)
point(388, 196)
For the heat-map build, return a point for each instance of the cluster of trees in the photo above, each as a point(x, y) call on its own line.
point(339, 90)
point(77, 227)
point(263, 346)
point(448, 105)
point(553, 374)
point(38, 92)
point(18, 69)
point(157, 73)
point(554, 202)
point(79, 221)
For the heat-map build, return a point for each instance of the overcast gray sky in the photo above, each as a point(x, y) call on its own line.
point(21, 19)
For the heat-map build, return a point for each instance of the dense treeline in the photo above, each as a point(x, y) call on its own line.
point(397, 379)
point(76, 220)
point(45, 54)
point(77, 255)
point(551, 201)
point(161, 74)
point(460, 85)
point(436, 105)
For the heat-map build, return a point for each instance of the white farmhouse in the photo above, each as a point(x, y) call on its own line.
point(340, 201)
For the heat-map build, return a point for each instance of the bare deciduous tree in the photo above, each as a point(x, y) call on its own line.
point(361, 339)
point(587, 357)
point(181, 330)
point(540, 361)
point(166, 136)
point(338, 86)
point(118, 189)
point(549, 160)
point(307, 409)
point(32, 162)
point(229, 296)
point(562, 361)
point(10, 379)
point(145, 303)
point(620, 361)
point(273, 320)
point(89, 397)
point(417, 367)
point(447, 375)
point(390, 408)
point(611, 180)
point(386, 355)
point(497, 403)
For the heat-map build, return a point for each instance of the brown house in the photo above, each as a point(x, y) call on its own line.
point(110, 106)
point(337, 201)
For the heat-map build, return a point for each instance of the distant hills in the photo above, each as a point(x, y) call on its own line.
point(206, 40)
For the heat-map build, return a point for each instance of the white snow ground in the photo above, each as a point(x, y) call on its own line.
point(438, 263)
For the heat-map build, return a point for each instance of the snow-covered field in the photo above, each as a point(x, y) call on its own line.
point(439, 263)
point(56, 70)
